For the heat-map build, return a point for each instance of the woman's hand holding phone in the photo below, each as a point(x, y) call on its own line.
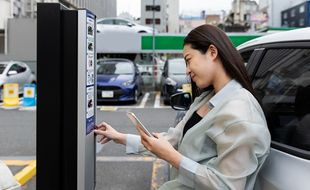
point(158, 145)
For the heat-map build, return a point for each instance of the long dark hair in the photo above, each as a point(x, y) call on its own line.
point(202, 37)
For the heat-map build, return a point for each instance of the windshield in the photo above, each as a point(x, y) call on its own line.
point(2, 67)
point(177, 67)
point(114, 68)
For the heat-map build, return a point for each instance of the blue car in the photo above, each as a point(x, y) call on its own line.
point(118, 80)
point(173, 77)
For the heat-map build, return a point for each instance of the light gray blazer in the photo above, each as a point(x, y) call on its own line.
point(225, 150)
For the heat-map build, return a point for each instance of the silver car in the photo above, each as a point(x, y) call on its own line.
point(15, 72)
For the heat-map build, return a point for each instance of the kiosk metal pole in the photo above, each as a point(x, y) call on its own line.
point(66, 98)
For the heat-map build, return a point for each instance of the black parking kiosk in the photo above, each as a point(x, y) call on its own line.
point(66, 57)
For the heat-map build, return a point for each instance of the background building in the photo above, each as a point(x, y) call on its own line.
point(273, 8)
point(18, 24)
point(297, 16)
point(239, 18)
point(189, 21)
point(173, 16)
point(213, 19)
point(160, 14)
point(187, 24)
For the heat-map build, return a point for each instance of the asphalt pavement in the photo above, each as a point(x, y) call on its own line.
point(115, 170)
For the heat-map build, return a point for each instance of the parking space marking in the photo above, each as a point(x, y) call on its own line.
point(108, 108)
point(144, 100)
point(27, 173)
point(160, 173)
point(160, 168)
point(30, 108)
point(17, 162)
point(157, 100)
point(125, 159)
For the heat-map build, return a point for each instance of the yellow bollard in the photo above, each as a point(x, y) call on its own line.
point(10, 96)
point(187, 88)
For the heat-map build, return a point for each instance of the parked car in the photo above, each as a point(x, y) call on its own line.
point(118, 80)
point(173, 77)
point(15, 72)
point(279, 67)
point(122, 24)
point(151, 73)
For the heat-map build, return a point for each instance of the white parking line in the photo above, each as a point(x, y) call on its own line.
point(125, 159)
point(30, 108)
point(157, 100)
point(144, 100)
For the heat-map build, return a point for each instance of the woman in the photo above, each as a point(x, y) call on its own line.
point(223, 139)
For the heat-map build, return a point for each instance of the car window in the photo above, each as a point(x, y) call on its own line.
point(17, 68)
point(115, 68)
point(2, 67)
point(107, 21)
point(177, 67)
point(121, 22)
point(282, 82)
point(246, 56)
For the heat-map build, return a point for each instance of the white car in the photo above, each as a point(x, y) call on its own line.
point(279, 66)
point(122, 24)
point(15, 72)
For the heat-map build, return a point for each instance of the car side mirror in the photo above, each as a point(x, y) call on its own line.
point(181, 101)
point(130, 24)
point(12, 73)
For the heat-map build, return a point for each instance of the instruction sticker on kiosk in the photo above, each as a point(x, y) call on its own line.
point(90, 73)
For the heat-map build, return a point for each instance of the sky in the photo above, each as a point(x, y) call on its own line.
point(186, 6)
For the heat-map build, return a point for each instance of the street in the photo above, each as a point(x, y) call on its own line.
point(114, 169)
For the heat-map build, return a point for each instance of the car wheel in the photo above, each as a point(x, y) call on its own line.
point(166, 100)
point(136, 96)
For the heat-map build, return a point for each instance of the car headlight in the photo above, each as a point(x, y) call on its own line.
point(127, 83)
point(171, 82)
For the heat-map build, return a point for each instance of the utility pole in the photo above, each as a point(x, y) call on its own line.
point(153, 45)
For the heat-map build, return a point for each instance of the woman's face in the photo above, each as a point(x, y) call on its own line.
point(200, 67)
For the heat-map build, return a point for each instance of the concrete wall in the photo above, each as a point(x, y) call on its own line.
point(173, 16)
point(1, 43)
point(103, 8)
point(5, 12)
point(22, 41)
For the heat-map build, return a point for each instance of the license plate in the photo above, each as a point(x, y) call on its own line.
point(107, 94)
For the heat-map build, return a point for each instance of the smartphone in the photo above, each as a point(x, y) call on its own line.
point(133, 118)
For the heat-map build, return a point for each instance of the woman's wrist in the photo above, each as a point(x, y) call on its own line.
point(121, 138)
point(175, 159)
